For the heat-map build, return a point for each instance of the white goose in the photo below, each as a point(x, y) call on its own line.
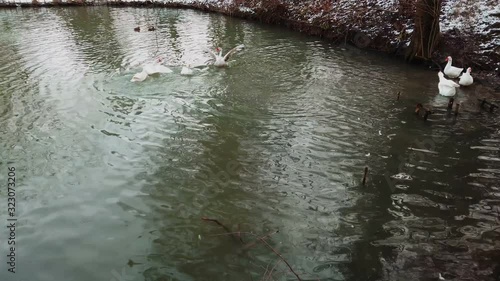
point(150, 69)
point(187, 70)
point(466, 79)
point(221, 61)
point(446, 87)
point(451, 71)
point(139, 77)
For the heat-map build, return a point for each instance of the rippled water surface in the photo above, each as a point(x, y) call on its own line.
point(113, 177)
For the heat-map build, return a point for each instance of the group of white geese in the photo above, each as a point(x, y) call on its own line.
point(447, 87)
point(157, 66)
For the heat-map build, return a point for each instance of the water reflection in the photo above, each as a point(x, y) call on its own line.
point(430, 223)
point(125, 171)
point(95, 36)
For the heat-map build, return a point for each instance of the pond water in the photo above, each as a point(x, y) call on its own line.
point(113, 177)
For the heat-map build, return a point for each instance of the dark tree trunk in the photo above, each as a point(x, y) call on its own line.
point(425, 38)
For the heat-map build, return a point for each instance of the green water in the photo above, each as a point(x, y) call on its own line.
point(113, 177)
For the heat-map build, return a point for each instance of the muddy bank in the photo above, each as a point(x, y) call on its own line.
point(470, 32)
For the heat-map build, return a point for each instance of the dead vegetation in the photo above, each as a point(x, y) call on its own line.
point(407, 28)
point(270, 273)
point(426, 36)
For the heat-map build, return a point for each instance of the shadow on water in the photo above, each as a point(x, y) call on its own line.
point(6, 104)
point(277, 141)
point(428, 196)
point(17, 84)
point(197, 175)
point(95, 35)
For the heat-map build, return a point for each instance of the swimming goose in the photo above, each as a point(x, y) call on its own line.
point(150, 69)
point(154, 68)
point(187, 70)
point(451, 71)
point(466, 79)
point(221, 61)
point(139, 77)
point(446, 87)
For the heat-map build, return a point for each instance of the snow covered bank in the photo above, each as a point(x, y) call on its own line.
point(470, 29)
point(475, 24)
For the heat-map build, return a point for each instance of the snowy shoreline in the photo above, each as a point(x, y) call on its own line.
point(470, 32)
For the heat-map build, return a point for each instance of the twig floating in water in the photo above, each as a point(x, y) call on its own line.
point(258, 239)
point(225, 228)
point(281, 257)
point(232, 233)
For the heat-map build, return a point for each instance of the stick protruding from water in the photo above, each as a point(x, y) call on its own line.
point(450, 103)
point(365, 175)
